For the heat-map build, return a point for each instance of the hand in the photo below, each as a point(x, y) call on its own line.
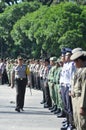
point(71, 94)
point(82, 112)
point(59, 91)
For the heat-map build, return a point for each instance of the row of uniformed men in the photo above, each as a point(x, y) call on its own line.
point(55, 79)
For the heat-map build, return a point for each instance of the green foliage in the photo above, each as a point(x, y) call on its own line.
point(53, 27)
point(25, 28)
point(2, 7)
point(10, 16)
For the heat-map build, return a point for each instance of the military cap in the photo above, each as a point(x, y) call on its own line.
point(76, 55)
point(11, 60)
point(7, 58)
point(63, 51)
point(46, 60)
point(76, 49)
point(68, 53)
point(58, 60)
point(84, 53)
point(62, 55)
point(20, 58)
point(41, 60)
point(53, 58)
point(69, 50)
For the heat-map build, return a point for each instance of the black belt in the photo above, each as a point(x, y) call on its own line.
point(20, 78)
point(77, 94)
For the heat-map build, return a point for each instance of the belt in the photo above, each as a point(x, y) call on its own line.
point(76, 95)
point(65, 85)
point(20, 78)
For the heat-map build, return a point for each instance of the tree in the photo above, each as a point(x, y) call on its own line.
point(51, 28)
point(9, 17)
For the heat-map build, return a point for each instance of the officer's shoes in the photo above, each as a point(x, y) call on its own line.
point(54, 109)
point(61, 114)
point(46, 106)
point(22, 109)
point(70, 127)
point(50, 108)
point(57, 111)
point(42, 102)
point(64, 121)
point(64, 127)
point(17, 109)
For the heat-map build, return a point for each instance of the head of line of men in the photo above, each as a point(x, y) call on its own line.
point(79, 57)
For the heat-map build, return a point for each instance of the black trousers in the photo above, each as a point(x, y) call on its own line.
point(42, 88)
point(20, 92)
point(47, 94)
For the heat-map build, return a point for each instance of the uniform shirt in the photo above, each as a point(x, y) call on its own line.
point(46, 71)
point(79, 86)
point(62, 74)
point(51, 74)
point(41, 71)
point(2, 67)
point(21, 71)
point(37, 68)
point(68, 72)
point(57, 75)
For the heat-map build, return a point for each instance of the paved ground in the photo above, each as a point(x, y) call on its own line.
point(34, 117)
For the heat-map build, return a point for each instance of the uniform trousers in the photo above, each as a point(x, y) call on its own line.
point(79, 120)
point(47, 94)
point(20, 92)
point(42, 88)
point(58, 96)
point(67, 104)
point(52, 93)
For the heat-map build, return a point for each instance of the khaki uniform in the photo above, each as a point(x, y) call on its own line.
point(79, 98)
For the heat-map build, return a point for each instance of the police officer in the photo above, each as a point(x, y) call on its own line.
point(47, 67)
point(78, 91)
point(68, 70)
point(20, 72)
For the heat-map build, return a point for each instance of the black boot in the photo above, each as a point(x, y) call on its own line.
point(54, 109)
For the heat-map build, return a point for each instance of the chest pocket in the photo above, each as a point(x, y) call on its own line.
point(20, 71)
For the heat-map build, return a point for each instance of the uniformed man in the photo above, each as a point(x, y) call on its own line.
point(78, 92)
point(68, 70)
point(41, 72)
point(47, 67)
point(20, 73)
point(51, 83)
point(57, 86)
